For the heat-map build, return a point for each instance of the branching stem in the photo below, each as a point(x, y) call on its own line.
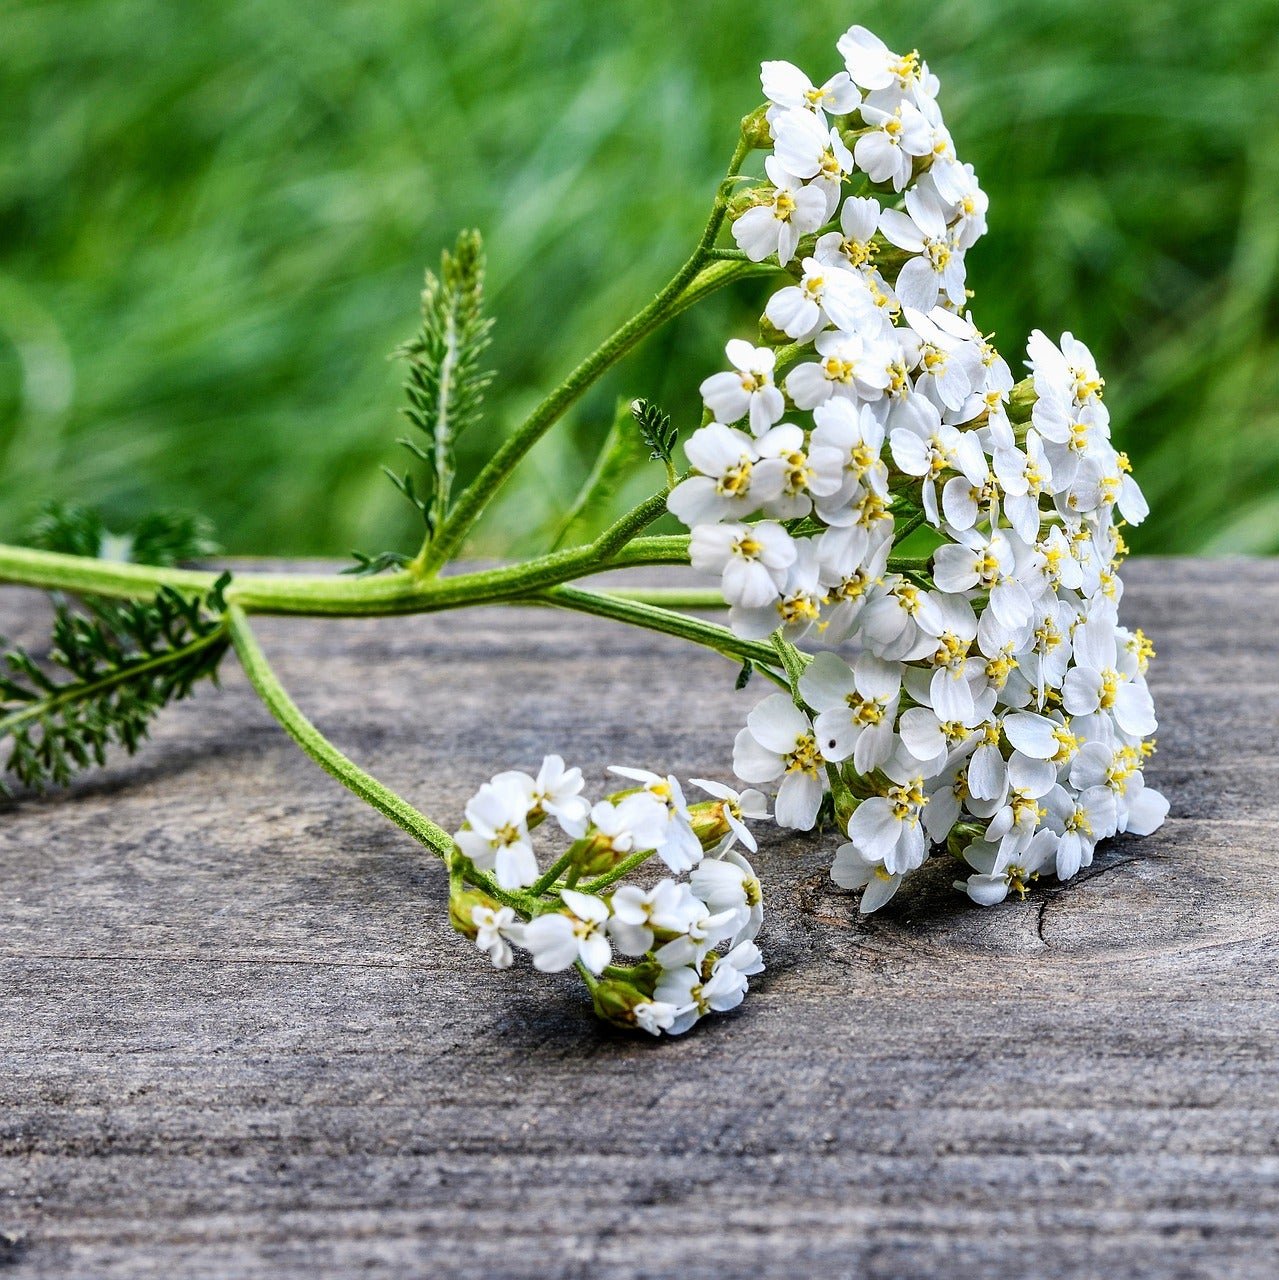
point(667, 303)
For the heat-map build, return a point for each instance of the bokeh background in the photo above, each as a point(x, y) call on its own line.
point(214, 216)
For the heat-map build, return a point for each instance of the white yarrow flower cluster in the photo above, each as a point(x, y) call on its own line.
point(657, 957)
point(894, 493)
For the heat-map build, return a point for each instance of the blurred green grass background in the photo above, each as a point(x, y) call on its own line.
point(214, 217)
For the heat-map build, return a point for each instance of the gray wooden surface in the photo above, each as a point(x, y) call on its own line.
point(239, 1039)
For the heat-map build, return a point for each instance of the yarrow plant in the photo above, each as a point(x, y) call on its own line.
point(920, 552)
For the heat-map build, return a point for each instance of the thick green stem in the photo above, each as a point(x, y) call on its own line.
point(83, 575)
point(332, 595)
point(792, 662)
point(668, 302)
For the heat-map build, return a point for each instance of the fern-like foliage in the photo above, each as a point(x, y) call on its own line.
point(656, 430)
point(446, 383)
point(110, 669)
point(367, 566)
point(163, 538)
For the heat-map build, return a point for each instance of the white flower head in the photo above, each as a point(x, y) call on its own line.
point(783, 214)
point(778, 742)
point(678, 847)
point(496, 836)
point(895, 139)
point(559, 939)
point(495, 930)
point(737, 805)
point(747, 390)
point(788, 88)
point(732, 482)
point(874, 66)
point(853, 869)
point(809, 148)
point(939, 265)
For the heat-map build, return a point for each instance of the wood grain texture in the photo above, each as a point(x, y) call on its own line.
point(239, 1039)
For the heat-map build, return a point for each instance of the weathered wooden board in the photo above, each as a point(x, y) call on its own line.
point(239, 1038)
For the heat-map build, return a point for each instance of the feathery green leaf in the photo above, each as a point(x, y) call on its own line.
point(163, 538)
point(124, 662)
point(445, 385)
point(655, 427)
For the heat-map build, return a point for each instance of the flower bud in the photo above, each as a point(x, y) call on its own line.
point(461, 905)
point(744, 200)
point(596, 856)
point(1021, 400)
point(709, 824)
point(615, 998)
point(755, 129)
point(770, 335)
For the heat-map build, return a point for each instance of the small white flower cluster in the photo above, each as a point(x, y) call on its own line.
point(990, 702)
point(694, 936)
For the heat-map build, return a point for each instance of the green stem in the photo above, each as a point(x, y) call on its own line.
point(623, 531)
point(623, 868)
point(470, 505)
point(323, 752)
point(83, 575)
point(792, 663)
point(672, 597)
point(708, 634)
point(333, 595)
point(553, 872)
point(909, 526)
point(587, 976)
point(356, 780)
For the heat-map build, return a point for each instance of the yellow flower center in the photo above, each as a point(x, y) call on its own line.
point(866, 711)
point(872, 509)
point(907, 799)
point(1078, 821)
point(938, 252)
point(1141, 645)
point(858, 252)
point(798, 472)
point(999, 668)
point(1026, 808)
point(831, 168)
point(951, 652)
point(988, 567)
point(1109, 687)
point(798, 609)
point(1067, 744)
point(1086, 384)
point(906, 68)
point(805, 757)
point(736, 480)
